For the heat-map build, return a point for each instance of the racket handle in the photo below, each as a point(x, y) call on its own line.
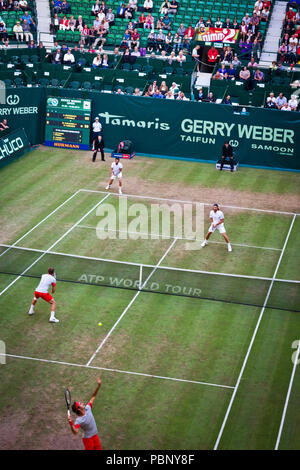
point(69, 414)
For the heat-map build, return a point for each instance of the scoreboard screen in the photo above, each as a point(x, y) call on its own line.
point(68, 123)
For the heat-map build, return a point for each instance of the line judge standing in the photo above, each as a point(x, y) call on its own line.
point(97, 130)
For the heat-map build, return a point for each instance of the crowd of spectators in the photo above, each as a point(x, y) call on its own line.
point(25, 25)
point(281, 102)
point(289, 49)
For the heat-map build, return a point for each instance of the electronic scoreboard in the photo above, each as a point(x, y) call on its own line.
point(68, 123)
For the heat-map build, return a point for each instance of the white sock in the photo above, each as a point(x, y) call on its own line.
point(31, 310)
point(52, 315)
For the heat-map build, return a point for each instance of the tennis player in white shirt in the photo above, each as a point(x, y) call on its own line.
point(41, 291)
point(217, 223)
point(115, 172)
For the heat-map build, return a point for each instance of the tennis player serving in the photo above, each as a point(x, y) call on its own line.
point(86, 421)
point(217, 223)
point(115, 172)
point(41, 291)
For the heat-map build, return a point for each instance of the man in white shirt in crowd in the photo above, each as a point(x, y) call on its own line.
point(69, 58)
point(217, 223)
point(18, 30)
point(41, 291)
point(115, 172)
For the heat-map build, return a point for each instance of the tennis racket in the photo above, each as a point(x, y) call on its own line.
point(68, 400)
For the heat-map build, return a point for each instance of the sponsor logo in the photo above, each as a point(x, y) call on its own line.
point(52, 101)
point(13, 100)
point(117, 120)
point(234, 143)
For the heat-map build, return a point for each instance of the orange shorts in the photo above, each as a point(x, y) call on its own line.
point(48, 297)
point(92, 443)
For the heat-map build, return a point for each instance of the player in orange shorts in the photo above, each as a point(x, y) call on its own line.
point(41, 291)
point(86, 421)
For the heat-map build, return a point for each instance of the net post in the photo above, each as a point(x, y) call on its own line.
point(141, 277)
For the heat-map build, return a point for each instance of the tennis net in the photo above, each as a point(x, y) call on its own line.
point(237, 289)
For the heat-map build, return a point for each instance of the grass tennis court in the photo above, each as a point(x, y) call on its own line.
point(178, 372)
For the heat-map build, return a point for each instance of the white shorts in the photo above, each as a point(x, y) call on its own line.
point(220, 227)
point(119, 176)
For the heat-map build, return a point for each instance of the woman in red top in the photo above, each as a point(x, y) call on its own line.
point(85, 34)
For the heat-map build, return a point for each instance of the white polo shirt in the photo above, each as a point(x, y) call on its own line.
point(97, 126)
point(116, 167)
point(46, 281)
point(216, 216)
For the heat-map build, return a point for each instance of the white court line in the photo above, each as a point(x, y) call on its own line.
point(54, 244)
point(117, 370)
point(154, 236)
point(252, 339)
point(43, 220)
point(130, 263)
point(287, 398)
point(190, 202)
point(130, 303)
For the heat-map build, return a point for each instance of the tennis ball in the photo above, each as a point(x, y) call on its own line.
point(99, 324)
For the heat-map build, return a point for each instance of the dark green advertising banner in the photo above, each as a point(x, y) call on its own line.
point(259, 137)
point(12, 146)
point(25, 107)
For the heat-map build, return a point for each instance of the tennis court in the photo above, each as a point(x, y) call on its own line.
point(195, 346)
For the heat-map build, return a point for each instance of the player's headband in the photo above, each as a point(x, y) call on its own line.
point(76, 405)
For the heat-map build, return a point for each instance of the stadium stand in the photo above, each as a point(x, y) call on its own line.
point(100, 46)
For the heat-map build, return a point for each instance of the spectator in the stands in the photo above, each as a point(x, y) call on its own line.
point(201, 23)
point(110, 17)
point(166, 22)
point(169, 96)
point(290, 57)
point(121, 11)
point(127, 57)
point(235, 61)
point(188, 36)
point(271, 101)
point(164, 8)
point(96, 8)
point(160, 40)
point(64, 23)
point(3, 5)
point(31, 45)
point(254, 22)
point(10, 6)
point(245, 77)
point(23, 5)
point(157, 94)
point(265, 14)
point(177, 42)
point(210, 98)
point(258, 76)
point(181, 58)
point(173, 7)
point(148, 6)
point(293, 103)
point(136, 92)
point(252, 62)
point(280, 67)
point(132, 5)
point(217, 76)
point(243, 31)
point(163, 88)
point(27, 31)
point(149, 23)
point(126, 39)
point(65, 7)
point(105, 61)
point(181, 97)
point(151, 41)
point(200, 96)
point(119, 91)
point(181, 30)
point(246, 19)
point(136, 52)
point(231, 72)
point(256, 49)
point(72, 23)
point(235, 24)
point(97, 61)
point(85, 34)
point(168, 42)
point(222, 70)
point(290, 14)
point(228, 23)
point(286, 107)
point(142, 20)
point(18, 31)
point(68, 58)
point(57, 57)
point(280, 100)
point(79, 23)
point(171, 58)
point(28, 18)
point(57, 6)
point(227, 100)
point(135, 38)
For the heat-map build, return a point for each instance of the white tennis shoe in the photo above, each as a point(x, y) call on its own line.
point(229, 247)
point(54, 320)
point(204, 243)
point(107, 187)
